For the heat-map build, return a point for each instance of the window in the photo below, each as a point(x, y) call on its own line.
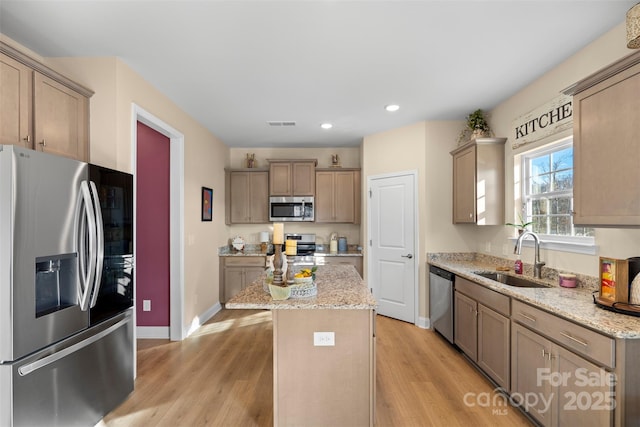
point(547, 194)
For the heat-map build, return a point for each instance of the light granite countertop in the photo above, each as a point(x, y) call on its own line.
point(254, 250)
point(339, 287)
point(575, 304)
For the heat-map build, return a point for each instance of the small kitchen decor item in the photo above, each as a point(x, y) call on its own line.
point(567, 280)
point(237, 243)
point(264, 241)
point(279, 293)
point(251, 160)
point(614, 280)
point(207, 204)
point(477, 127)
point(342, 244)
point(278, 240)
point(335, 161)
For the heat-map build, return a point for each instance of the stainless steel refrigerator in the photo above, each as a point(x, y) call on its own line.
point(66, 289)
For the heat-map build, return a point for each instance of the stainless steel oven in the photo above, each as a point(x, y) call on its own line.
point(291, 209)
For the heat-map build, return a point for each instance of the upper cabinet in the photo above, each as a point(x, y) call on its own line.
point(42, 109)
point(338, 195)
point(292, 177)
point(478, 182)
point(247, 198)
point(606, 133)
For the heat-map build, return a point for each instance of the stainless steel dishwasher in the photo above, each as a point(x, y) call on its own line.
point(441, 301)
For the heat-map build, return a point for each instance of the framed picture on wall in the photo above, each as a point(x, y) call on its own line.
point(207, 204)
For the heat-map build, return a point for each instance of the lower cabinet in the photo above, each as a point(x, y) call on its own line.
point(556, 386)
point(237, 273)
point(482, 329)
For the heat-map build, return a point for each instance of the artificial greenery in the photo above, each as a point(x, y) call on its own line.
point(477, 121)
point(520, 225)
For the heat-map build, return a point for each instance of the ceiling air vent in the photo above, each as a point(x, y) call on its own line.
point(281, 123)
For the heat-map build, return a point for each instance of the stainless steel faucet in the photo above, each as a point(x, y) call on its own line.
point(537, 264)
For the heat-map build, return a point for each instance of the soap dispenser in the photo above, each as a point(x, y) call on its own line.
point(517, 267)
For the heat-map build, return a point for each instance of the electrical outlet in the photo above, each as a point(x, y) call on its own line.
point(324, 339)
point(146, 305)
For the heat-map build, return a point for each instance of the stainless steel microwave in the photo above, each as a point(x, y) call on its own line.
point(291, 209)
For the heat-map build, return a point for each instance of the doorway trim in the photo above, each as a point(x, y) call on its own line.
point(176, 213)
point(416, 231)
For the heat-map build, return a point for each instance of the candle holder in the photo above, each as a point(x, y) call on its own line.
point(290, 274)
point(277, 265)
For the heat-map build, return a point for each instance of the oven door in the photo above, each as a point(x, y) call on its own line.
point(41, 216)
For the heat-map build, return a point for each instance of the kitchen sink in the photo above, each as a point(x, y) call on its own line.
point(506, 279)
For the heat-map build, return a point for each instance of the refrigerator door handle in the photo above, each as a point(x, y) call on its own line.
point(47, 360)
point(87, 274)
point(99, 244)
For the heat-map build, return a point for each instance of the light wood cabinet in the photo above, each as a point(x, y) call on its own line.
point(606, 108)
point(236, 273)
point(338, 196)
point(247, 197)
point(568, 390)
point(482, 328)
point(292, 177)
point(478, 182)
point(42, 109)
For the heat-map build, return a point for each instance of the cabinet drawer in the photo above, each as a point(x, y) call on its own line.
point(245, 261)
point(485, 296)
point(574, 337)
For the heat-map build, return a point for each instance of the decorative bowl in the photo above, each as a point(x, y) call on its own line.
point(303, 280)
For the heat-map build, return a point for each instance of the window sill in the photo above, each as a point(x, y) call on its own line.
point(577, 248)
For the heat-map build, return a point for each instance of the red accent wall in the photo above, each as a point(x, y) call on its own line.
point(152, 227)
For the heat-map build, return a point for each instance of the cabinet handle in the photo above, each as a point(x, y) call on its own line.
point(529, 318)
point(567, 335)
point(43, 143)
point(27, 138)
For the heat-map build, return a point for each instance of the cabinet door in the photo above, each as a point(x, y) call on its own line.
point(251, 274)
point(259, 197)
point(304, 178)
point(530, 356)
point(494, 345)
point(240, 197)
point(324, 209)
point(15, 103)
point(466, 325)
point(280, 179)
point(584, 395)
point(233, 282)
point(345, 196)
point(61, 119)
point(606, 155)
point(464, 186)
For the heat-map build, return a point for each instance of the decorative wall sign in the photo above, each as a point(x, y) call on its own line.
point(207, 204)
point(548, 119)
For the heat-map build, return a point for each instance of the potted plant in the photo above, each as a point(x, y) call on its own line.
point(477, 123)
point(522, 225)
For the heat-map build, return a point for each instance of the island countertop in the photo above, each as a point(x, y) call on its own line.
point(339, 287)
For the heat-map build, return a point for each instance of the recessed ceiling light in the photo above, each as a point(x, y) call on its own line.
point(392, 107)
point(326, 126)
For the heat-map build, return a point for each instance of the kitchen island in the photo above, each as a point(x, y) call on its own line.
point(323, 350)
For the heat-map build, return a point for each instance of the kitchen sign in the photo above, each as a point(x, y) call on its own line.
point(548, 119)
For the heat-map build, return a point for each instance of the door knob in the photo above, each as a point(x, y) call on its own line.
point(407, 256)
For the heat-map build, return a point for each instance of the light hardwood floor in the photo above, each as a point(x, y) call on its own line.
point(222, 376)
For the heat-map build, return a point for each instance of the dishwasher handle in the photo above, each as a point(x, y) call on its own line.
point(440, 272)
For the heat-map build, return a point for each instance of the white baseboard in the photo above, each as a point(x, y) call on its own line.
point(152, 332)
point(202, 318)
point(163, 332)
point(424, 323)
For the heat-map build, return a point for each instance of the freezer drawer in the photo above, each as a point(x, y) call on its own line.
point(74, 384)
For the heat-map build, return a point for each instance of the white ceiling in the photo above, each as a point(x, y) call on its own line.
point(235, 65)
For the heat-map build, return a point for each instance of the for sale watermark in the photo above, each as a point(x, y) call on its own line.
point(578, 390)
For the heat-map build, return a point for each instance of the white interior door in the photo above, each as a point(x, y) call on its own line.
point(392, 245)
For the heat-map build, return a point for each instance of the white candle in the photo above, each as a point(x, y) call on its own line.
point(278, 233)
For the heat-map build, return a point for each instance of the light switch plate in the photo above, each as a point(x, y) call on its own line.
point(324, 339)
point(146, 305)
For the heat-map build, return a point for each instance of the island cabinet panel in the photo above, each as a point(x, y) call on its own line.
point(330, 385)
point(605, 142)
